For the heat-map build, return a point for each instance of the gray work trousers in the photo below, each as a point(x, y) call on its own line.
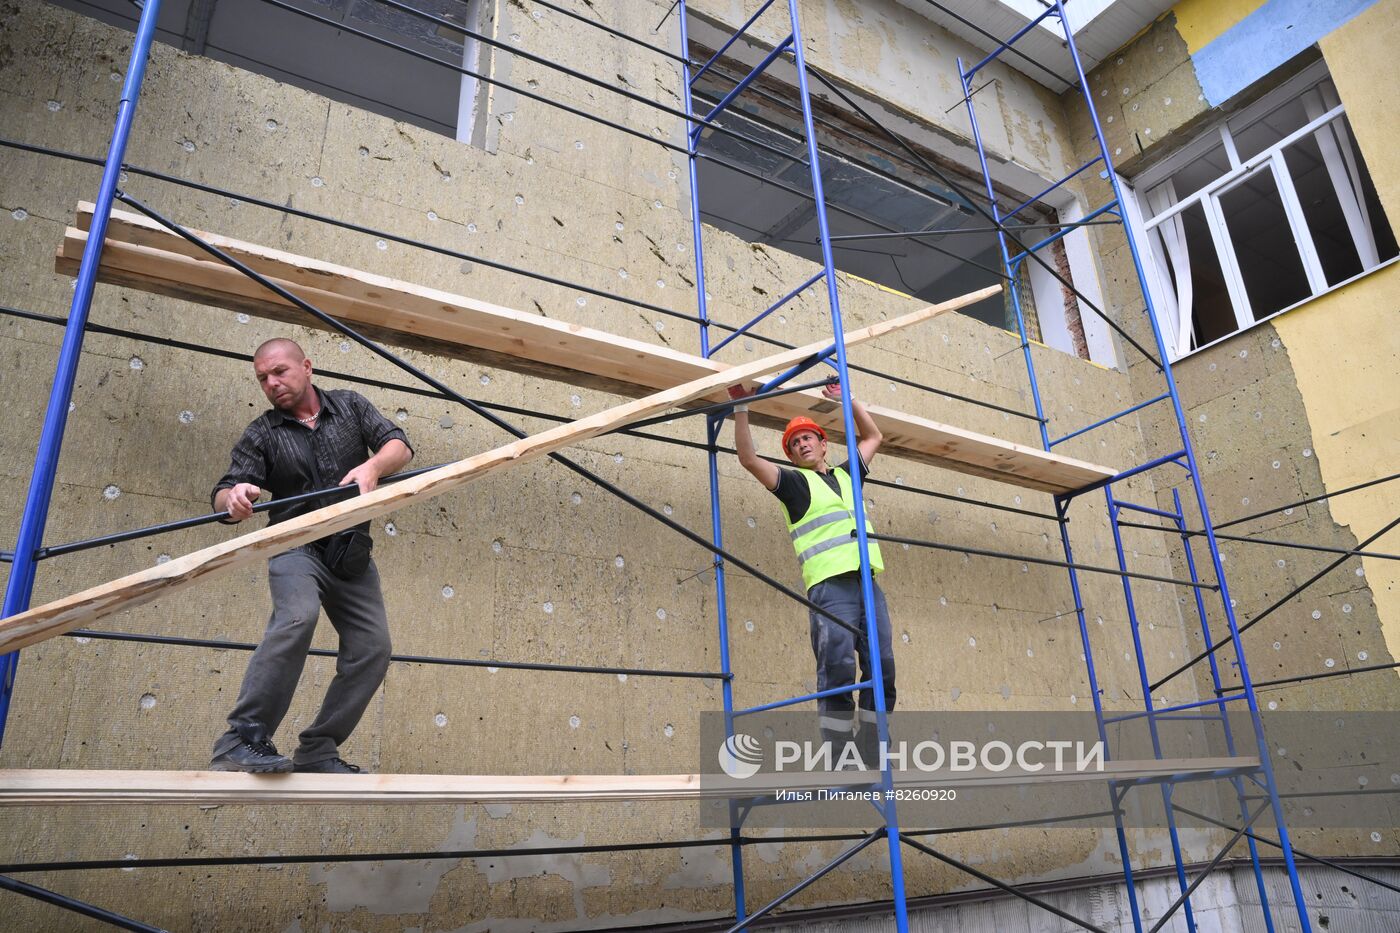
point(838, 649)
point(301, 586)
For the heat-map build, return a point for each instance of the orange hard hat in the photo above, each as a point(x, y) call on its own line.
point(799, 424)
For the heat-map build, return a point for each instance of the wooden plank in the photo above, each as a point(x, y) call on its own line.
point(470, 330)
point(141, 254)
point(64, 787)
point(86, 607)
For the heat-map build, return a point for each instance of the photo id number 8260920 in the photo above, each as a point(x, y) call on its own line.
point(922, 793)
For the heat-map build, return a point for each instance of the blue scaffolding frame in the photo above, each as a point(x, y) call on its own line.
point(792, 45)
point(29, 547)
point(1184, 458)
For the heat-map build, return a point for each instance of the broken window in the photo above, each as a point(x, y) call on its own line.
point(1266, 210)
point(336, 62)
point(876, 192)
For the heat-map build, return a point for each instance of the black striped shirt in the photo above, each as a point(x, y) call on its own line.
point(285, 457)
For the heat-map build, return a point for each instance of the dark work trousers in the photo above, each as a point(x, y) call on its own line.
point(301, 586)
point(837, 649)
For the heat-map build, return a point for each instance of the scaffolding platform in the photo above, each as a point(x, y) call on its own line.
point(66, 787)
point(141, 254)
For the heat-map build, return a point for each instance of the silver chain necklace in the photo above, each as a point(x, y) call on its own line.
point(310, 419)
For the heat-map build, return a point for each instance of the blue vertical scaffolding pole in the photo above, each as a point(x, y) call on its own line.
point(867, 583)
point(1185, 457)
point(791, 46)
point(712, 428)
point(36, 506)
point(1178, 520)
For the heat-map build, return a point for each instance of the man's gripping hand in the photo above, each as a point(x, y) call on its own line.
point(240, 499)
point(738, 393)
point(366, 476)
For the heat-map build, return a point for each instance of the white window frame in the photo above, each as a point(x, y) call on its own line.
point(1270, 160)
point(473, 100)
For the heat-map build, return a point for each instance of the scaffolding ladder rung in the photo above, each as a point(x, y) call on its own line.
point(739, 88)
point(793, 701)
point(1196, 704)
point(1003, 46)
point(1072, 175)
point(1147, 509)
point(767, 311)
point(1100, 423)
point(732, 39)
point(1110, 207)
point(1149, 465)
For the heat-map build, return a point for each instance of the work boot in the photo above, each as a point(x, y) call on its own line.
point(252, 757)
point(868, 744)
point(839, 741)
point(328, 766)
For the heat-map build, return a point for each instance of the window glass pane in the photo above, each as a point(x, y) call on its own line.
point(1288, 117)
point(1322, 174)
point(1189, 267)
point(325, 60)
point(1386, 245)
point(1323, 210)
point(1263, 242)
point(1195, 174)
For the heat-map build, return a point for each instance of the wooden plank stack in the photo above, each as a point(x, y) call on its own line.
point(140, 253)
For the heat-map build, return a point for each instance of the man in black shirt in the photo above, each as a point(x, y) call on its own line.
point(308, 439)
point(820, 506)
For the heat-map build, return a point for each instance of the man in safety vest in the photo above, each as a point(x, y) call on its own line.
point(821, 522)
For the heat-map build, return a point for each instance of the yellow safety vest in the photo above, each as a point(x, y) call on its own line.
point(824, 538)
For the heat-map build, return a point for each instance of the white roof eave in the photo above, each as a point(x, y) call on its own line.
point(1101, 27)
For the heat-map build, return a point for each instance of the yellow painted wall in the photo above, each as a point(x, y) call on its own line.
point(1361, 57)
point(1346, 346)
point(1202, 21)
point(1345, 350)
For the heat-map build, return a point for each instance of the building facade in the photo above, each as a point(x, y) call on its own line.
point(1255, 139)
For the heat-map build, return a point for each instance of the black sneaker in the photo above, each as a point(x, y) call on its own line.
point(253, 758)
point(328, 766)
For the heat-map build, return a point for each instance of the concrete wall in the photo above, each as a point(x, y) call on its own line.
point(531, 565)
point(1228, 899)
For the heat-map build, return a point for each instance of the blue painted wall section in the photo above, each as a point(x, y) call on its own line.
point(1265, 39)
